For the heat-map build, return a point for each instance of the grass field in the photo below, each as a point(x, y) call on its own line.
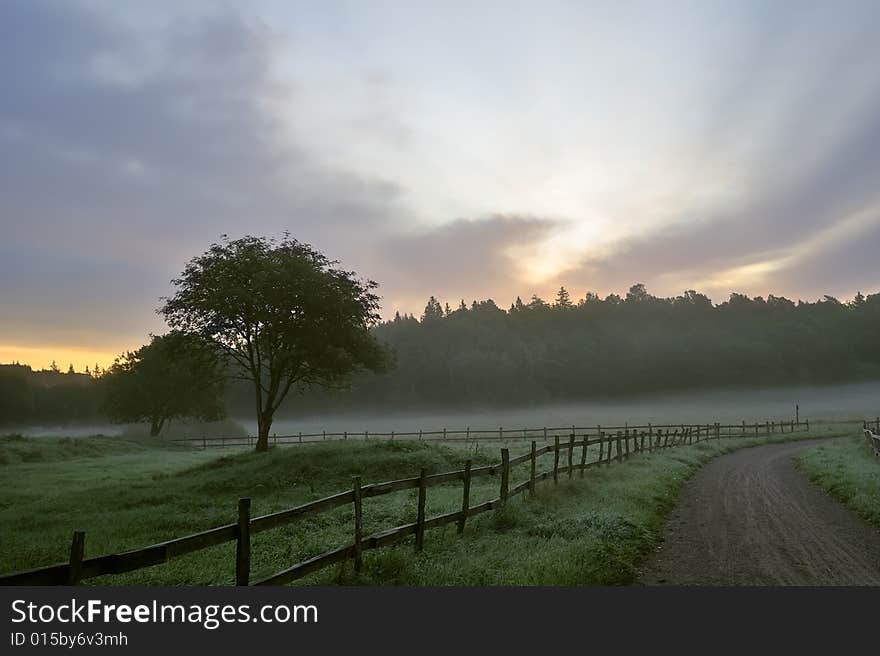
point(848, 470)
point(127, 494)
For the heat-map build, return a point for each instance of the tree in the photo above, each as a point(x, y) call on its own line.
point(637, 294)
point(174, 376)
point(537, 303)
point(563, 299)
point(70, 369)
point(433, 310)
point(282, 313)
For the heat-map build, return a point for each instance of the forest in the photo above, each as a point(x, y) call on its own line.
point(482, 355)
point(565, 350)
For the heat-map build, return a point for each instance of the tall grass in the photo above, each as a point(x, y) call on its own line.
point(848, 470)
point(128, 494)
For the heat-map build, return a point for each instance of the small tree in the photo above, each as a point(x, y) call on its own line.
point(433, 310)
point(563, 299)
point(282, 313)
point(172, 377)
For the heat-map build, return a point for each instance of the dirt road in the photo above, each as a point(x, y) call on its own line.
point(750, 518)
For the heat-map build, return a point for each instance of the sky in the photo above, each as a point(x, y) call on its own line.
point(459, 149)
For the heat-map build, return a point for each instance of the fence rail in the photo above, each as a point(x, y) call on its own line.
point(873, 440)
point(614, 444)
point(500, 434)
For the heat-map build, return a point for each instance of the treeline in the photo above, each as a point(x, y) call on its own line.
point(563, 350)
point(29, 397)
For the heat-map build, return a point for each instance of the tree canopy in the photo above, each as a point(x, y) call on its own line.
point(595, 347)
point(283, 314)
point(173, 377)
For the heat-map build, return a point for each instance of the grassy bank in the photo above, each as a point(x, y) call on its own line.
point(848, 470)
point(131, 494)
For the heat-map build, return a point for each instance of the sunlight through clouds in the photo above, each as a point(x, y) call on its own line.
point(456, 150)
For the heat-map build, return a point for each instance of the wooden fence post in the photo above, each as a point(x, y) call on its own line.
point(77, 549)
point(420, 514)
point(555, 459)
point(505, 474)
point(642, 443)
point(601, 448)
point(584, 455)
point(571, 455)
point(532, 473)
point(665, 437)
point(465, 496)
point(358, 523)
point(626, 442)
point(619, 453)
point(545, 433)
point(243, 543)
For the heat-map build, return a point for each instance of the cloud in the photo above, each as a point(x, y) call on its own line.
point(124, 154)
point(802, 160)
point(464, 259)
point(715, 147)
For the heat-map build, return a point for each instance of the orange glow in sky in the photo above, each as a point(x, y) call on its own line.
point(41, 357)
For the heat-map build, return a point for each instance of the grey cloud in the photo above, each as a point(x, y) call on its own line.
point(124, 156)
point(467, 259)
point(805, 184)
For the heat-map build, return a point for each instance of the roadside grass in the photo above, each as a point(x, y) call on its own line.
point(129, 494)
point(590, 531)
point(849, 471)
point(139, 494)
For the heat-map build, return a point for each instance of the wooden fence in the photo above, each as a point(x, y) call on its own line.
point(873, 441)
point(499, 434)
point(608, 445)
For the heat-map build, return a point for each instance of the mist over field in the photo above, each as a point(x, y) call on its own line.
point(727, 406)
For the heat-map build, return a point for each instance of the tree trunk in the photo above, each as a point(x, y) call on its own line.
point(264, 423)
